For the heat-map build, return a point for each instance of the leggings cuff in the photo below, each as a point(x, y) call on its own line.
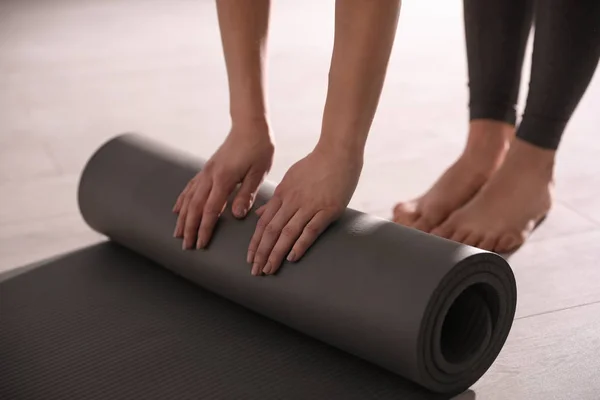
point(541, 132)
point(496, 112)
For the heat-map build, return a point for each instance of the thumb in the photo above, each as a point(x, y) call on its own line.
point(245, 197)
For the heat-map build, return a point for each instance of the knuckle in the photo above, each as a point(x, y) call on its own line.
point(222, 172)
point(193, 183)
point(221, 175)
point(208, 167)
point(311, 229)
point(278, 196)
point(271, 230)
point(262, 224)
point(260, 255)
point(289, 232)
point(211, 211)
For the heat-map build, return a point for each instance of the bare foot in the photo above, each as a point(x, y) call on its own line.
point(486, 148)
point(507, 209)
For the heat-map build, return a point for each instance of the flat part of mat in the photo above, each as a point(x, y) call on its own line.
point(105, 323)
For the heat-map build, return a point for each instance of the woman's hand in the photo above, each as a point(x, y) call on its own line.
point(314, 192)
point(244, 158)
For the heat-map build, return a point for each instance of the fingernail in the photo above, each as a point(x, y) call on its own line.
point(199, 244)
point(239, 211)
point(267, 269)
point(184, 245)
point(292, 256)
point(250, 257)
point(255, 269)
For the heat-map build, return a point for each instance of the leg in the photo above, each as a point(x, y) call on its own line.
point(565, 56)
point(496, 36)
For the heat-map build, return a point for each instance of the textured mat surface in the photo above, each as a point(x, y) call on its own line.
point(105, 323)
point(431, 311)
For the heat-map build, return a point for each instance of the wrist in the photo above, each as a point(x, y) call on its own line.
point(257, 121)
point(256, 127)
point(346, 147)
point(343, 130)
point(248, 105)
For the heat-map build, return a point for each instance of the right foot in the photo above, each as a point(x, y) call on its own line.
point(484, 153)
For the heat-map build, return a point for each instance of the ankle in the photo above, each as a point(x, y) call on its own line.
point(488, 142)
point(531, 160)
point(489, 135)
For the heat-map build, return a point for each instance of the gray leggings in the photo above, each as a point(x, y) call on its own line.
point(566, 50)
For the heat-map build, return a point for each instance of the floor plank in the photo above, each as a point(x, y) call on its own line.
point(37, 199)
point(24, 243)
point(552, 356)
point(25, 159)
point(557, 273)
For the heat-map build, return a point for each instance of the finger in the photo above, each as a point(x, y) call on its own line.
point(269, 238)
point(289, 235)
point(261, 210)
point(182, 195)
point(194, 213)
point(310, 233)
point(246, 194)
point(270, 210)
point(184, 210)
point(217, 200)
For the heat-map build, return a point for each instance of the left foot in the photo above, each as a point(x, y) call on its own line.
point(511, 204)
point(487, 144)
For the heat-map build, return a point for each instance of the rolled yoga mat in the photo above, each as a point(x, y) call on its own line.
point(373, 309)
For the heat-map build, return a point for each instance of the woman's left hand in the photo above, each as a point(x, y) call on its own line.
point(313, 193)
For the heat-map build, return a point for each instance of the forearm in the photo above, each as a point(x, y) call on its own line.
point(364, 36)
point(244, 30)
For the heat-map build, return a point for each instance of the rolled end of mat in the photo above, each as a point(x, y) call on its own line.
point(467, 322)
point(430, 310)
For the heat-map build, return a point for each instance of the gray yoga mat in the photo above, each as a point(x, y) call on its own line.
point(373, 310)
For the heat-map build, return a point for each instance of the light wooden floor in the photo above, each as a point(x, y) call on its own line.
point(75, 72)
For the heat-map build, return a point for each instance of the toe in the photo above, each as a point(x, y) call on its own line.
point(473, 239)
point(460, 235)
point(445, 230)
point(488, 242)
point(423, 224)
point(508, 243)
point(406, 213)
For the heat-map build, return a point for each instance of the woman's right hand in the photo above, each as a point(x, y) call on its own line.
point(245, 158)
